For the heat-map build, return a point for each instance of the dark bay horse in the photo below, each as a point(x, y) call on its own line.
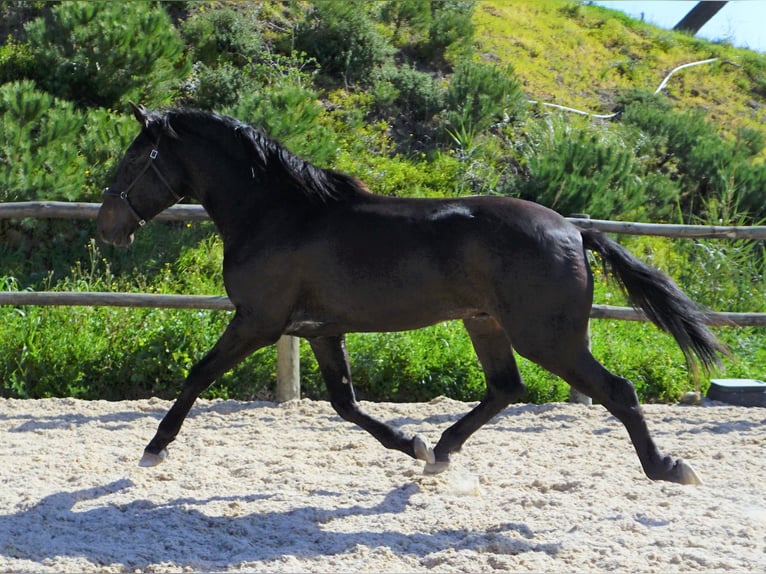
point(311, 252)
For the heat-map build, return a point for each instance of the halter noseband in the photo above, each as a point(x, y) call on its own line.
point(123, 195)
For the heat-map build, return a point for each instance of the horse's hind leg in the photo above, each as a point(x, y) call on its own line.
point(619, 397)
point(330, 353)
point(504, 385)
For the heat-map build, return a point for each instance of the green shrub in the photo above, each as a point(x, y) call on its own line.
point(16, 61)
point(646, 356)
point(411, 19)
point(420, 365)
point(39, 154)
point(415, 95)
point(576, 167)
point(451, 29)
point(722, 275)
point(225, 47)
point(706, 167)
point(223, 35)
point(344, 40)
point(479, 95)
point(754, 65)
point(416, 365)
point(102, 141)
point(214, 87)
point(103, 53)
point(50, 150)
point(45, 355)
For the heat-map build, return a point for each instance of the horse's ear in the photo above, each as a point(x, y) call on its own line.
point(156, 124)
point(141, 114)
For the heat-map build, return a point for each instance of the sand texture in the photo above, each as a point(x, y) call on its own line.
point(293, 488)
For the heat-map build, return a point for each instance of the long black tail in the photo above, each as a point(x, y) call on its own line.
point(660, 299)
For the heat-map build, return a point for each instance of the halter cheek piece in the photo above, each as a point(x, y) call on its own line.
point(123, 195)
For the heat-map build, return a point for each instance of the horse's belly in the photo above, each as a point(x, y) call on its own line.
point(374, 318)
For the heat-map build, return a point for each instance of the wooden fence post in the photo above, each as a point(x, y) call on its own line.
point(288, 369)
point(576, 396)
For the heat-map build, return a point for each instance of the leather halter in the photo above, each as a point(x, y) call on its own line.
point(149, 164)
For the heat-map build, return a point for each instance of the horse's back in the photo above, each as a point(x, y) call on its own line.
point(508, 234)
point(391, 264)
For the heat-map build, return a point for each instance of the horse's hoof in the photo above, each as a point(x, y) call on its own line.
point(687, 474)
point(151, 459)
point(436, 467)
point(423, 450)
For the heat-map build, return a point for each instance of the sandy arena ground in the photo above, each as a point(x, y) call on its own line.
point(293, 488)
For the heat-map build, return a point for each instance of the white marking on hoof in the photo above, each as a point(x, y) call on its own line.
point(150, 459)
point(423, 450)
point(687, 474)
point(435, 467)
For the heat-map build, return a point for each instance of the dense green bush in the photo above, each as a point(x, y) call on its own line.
point(416, 95)
point(410, 19)
point(755, 68)
point(574, 167)
point(343, 38)
point(450, 29)
point(98, 354)
point(214, 87)
point(223, 35)
point(293, 115)
point(226, 48)
point(720, 275)
point(103, 53)
point(16, 60)
point(685, 147)
point(39, 155)
point(480, 95)
point(431, 29)
point(51, 151)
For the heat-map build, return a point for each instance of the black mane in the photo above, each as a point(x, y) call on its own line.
point(268, 155)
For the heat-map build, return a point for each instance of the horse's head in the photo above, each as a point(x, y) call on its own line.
point(149, 179)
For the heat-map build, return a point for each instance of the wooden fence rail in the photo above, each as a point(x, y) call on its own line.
point(221, 303)
point(67, 210)
point(288, 386)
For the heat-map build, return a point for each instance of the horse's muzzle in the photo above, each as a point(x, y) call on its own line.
point(114, 236)
point(113, 229)
point(122, 241)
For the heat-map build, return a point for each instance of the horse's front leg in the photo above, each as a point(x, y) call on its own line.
point(237, 342)
point(331, 355)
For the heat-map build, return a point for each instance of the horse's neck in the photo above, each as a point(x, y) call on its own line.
point(239, 208)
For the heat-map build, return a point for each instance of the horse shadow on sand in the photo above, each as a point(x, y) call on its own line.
point(140, 533)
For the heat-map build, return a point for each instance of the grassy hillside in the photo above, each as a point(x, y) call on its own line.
point(586, 56)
